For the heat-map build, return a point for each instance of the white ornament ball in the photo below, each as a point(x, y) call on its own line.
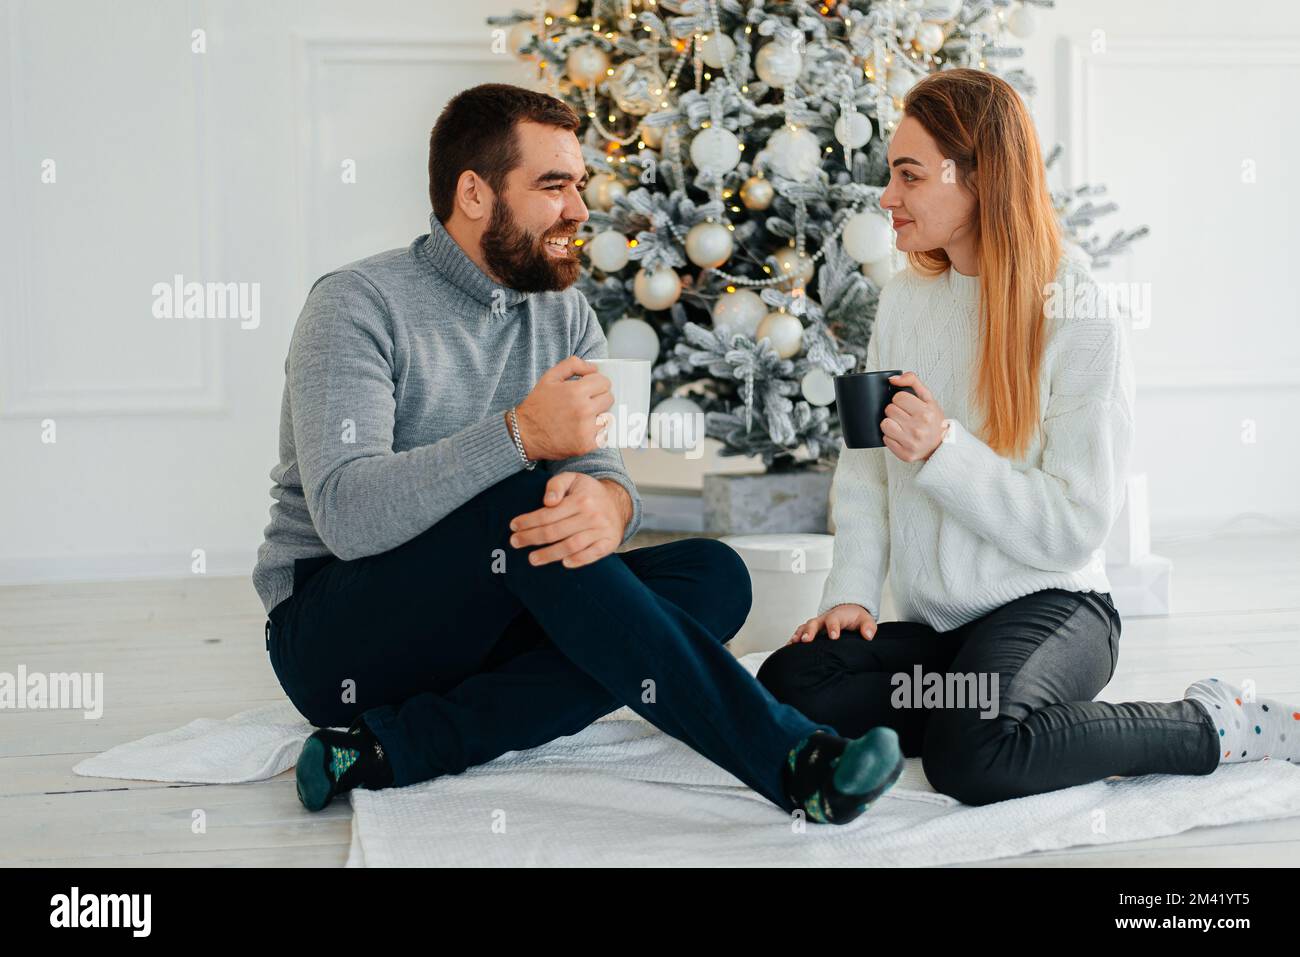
point(520, 34)
point(675, 424)
point(608, 250)
point(561, 8)
point(866, 237)
point(929, 37)
point(1021, 20)
point(757, 193)
point(853, 130)
point(784, 331)
point(817, 387)
point(709, 245)
point(989, 23)
point(795, 265)
point(602, 190)
point(633, 339)
point(901, 79)
point(794, 153)
point(879, 271)
point(657, 290)
point(739, 311)
point(778, 64)
point(586, 65)
point(718, 50)
point(715, 150)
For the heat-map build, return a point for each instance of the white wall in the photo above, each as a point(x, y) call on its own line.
point(1184, 94)
point(225, 167)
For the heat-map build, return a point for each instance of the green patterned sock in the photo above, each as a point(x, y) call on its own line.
point(334, 762)
point(834, 780)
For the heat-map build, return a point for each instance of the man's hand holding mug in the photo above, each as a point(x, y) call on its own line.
point(560, 417)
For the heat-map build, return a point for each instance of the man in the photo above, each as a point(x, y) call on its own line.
point(432, 589)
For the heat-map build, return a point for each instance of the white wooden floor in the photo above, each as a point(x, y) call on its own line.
point(172, 651)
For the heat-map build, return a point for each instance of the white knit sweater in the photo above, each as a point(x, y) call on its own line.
point(969, 530)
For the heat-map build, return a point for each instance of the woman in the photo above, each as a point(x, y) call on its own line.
point(990, 503)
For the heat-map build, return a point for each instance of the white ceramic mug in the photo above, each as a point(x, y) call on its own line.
point(627, 421)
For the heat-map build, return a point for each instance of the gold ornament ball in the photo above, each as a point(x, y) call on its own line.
point(757, 193)
point(602, 190)
point(586, 65)
point(709, 245)
point(794, 265)
point(784, 331)
point(561, 8)
point(657, 290)
point(520, 34)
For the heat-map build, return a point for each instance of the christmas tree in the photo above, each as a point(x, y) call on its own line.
point(737, 157)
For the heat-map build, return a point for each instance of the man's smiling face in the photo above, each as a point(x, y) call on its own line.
point(528, 242)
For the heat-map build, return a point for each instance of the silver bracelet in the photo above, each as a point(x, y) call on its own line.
point(519, 443)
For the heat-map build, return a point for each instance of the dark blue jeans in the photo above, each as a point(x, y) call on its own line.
point(1049, 653)
point(456, 649)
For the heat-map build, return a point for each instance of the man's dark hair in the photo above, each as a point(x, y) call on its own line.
point(477, 131)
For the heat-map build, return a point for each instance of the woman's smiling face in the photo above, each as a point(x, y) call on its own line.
point(930, 207)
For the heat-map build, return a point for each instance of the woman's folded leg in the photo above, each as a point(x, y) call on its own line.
point(1050, 654)
point(849, 684)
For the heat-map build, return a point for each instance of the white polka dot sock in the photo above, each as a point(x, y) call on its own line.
point(1249, 730)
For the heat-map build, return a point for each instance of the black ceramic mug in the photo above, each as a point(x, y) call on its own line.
point(862, 398)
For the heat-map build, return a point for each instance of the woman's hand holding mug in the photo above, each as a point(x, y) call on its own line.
point(837, 619)
point(914, 425)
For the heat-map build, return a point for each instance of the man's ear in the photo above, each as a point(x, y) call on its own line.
point(473, 196)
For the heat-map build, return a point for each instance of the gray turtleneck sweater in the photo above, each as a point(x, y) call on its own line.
point(399, 371)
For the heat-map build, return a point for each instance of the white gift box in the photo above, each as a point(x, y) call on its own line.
point(787, 573)
point(1130, 537)
point(1141, 587)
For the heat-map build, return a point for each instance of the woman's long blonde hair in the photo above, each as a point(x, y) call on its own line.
point(979, 121)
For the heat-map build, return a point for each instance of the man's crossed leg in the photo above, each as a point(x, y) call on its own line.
point(456, 649)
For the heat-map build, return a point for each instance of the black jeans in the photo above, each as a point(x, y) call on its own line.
point(1047, 654)
point(456, 649)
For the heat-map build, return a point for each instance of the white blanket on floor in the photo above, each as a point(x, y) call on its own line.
point(249, 746)
point(621, 793)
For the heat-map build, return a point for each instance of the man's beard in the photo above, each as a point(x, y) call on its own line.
point(520, 260)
